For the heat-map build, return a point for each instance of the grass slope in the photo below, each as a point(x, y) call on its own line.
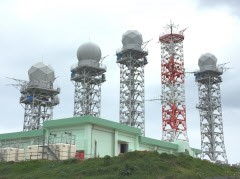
point(130, 165)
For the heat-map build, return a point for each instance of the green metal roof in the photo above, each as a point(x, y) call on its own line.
point(158, 143)
point(196, 151)
point(73, 121)
point(23, 134)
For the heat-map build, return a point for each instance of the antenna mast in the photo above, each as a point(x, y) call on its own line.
point(173, 91)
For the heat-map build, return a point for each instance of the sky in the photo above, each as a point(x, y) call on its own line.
point(51, 32)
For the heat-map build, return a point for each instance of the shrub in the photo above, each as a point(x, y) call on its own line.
point(106, 160)
point(126, 170)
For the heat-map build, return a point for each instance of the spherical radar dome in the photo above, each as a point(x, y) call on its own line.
point(132, 38)
point(41, 72)
point(89, 51)
point(207, 61)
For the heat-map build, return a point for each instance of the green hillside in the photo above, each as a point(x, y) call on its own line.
point(129, 165)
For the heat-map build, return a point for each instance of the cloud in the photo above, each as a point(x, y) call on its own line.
point(233, 5)
point(52, 31)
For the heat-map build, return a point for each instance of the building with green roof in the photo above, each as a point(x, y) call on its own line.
point(89, 137)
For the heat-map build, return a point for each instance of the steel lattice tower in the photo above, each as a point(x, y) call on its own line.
point(173, 92)
point(38, 96)
point(132, 59)
point(211, 125)
point(88, 75)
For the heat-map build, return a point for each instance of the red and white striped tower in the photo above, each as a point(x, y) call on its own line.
point(172, 78)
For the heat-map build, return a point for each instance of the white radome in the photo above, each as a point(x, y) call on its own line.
point(132, 39)
point(41, 72)
point(207, 61)
point(89, 51)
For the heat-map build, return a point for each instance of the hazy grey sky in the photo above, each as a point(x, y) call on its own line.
point(51, 32)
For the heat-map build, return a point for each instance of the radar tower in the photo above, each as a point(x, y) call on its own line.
point(132, 58)
point(38, 96)
point(88, 75)
point(208, 79)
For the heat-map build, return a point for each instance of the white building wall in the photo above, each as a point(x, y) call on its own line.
point(102, 142)
point(129, 139)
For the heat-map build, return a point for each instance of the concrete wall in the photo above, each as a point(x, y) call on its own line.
point(130, 139)
point(63, 135)
point(183, 147)
point(102, 142)
point(143, 147)
point(95, 141)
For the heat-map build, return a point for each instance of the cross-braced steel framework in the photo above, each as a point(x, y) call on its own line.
point(173, 92)
point(38, 100)
point(132, 110)
point(211, 125)
point(87, 98)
